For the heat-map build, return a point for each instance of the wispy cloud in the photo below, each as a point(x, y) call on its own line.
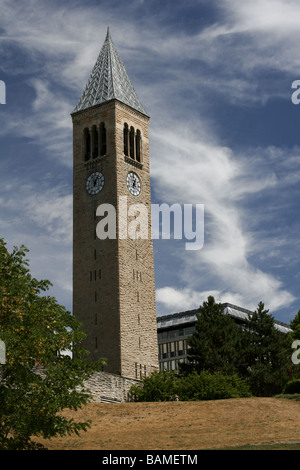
point(242, 57)
point(194, 170)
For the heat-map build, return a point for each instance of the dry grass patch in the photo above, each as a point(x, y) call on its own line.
point(184, 425)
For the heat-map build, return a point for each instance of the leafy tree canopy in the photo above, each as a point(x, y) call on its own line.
point(39, 378)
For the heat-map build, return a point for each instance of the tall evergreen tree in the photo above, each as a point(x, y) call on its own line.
point(266, 357)
point(214, 344)
point(295, 326)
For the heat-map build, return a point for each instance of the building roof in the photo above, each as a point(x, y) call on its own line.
point(109, 80)
point(190, 316)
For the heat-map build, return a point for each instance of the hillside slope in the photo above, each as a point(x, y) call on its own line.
point(184, 425)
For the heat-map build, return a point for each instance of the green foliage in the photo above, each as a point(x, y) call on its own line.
point(258, 352)
point(203, 386)
point(156, 387)
point(212, 386)
point(292, 387)
point(214, 345)
point(266, 354)
point(295, 325)
point(37, 332)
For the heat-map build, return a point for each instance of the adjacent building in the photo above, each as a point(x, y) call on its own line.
point(173, 331)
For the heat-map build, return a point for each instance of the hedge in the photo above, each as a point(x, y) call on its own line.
point(203, 386)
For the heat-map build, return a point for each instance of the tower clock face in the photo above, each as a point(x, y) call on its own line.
point(133, 183)
point(94, 183)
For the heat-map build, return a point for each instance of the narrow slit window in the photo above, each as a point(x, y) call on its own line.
point(131, 142)
point(87, 144)
point(103, 139)
point(95, 142)
point(138, 146)
point(126, 136)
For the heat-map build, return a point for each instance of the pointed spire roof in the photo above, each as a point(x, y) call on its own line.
point(109, 80)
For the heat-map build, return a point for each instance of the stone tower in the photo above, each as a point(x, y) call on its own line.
point(113, 276)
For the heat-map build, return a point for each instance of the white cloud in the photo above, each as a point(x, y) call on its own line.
point(196, 170)
point(35, 208)
point(188, 165)
point(178, 300)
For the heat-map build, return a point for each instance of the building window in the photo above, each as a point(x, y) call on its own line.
point(102, 139)
point(95, 137)
point(180, 348)
point(126, 137)
point(86, 144)
point(131, 142)
point(138, 146)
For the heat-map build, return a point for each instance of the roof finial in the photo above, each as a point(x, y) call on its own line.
point(107, 34)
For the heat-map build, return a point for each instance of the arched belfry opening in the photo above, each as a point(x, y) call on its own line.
point(103, 149)
point(86, 144)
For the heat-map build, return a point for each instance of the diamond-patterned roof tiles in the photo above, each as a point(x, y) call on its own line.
point(109, 80)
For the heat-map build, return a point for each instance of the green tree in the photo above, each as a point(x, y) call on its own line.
point(266, 356)
point(39, 379)
point(214, 346)
point(295, 326)
point(294, 337)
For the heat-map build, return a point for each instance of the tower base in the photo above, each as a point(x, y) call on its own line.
point(110, 388)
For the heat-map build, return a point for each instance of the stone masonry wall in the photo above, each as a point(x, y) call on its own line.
point(109, 387)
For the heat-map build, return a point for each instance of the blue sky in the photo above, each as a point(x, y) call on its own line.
point(215, 77)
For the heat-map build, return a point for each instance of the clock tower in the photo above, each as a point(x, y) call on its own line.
point(113, 272)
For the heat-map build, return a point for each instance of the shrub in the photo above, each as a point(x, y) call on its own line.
point(292, 387)
point(195, 386)
point(207, 386)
